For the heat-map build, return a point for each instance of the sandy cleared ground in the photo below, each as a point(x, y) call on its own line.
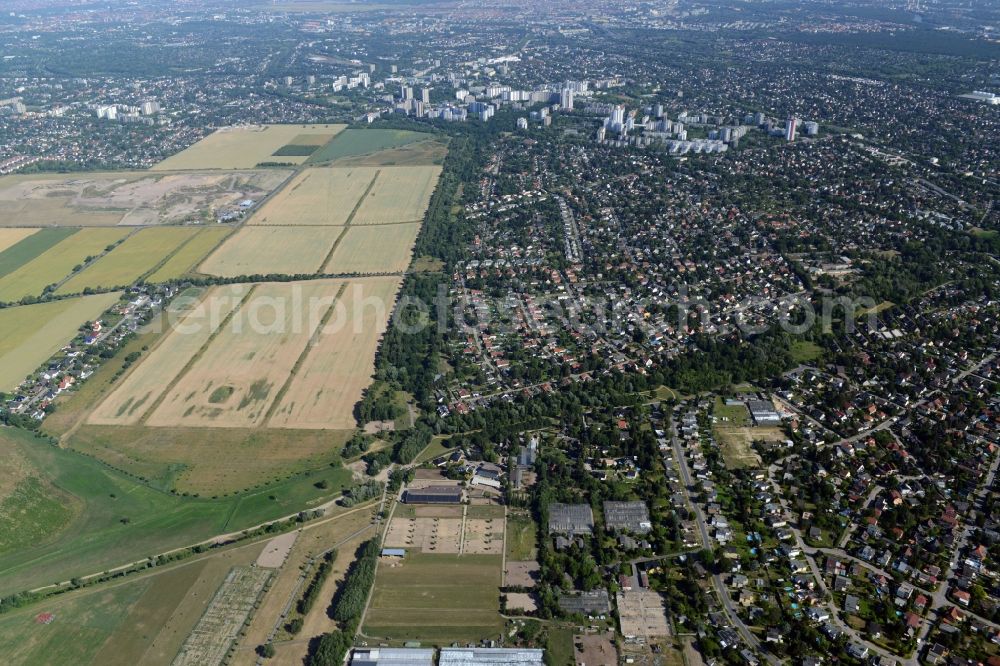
point(150, 378)
point(595, 649)
point(521, 574)
point(244, 147)
point(643, 614)
point(400, 194)
point(521, 601)
point(269, 250)
point(483, 537)
point(56, 263)
point(31, 334)
point(384, 248)
point(139, 254)
point(10, 237)
point(276, 550)
point(317, 197)
point(430, 535)
point(128, 198)
point(240, 372)
point(339, 367)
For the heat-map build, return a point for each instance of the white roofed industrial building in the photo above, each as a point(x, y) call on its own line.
point(393, 657)
point(490, 656)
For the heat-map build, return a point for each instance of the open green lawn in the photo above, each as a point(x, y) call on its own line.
point(436, 598)
point(122, 520)
point(805, 351)
point(353, 142)
point(520, 539)
point(559, 646)
point(21, 253)
point(434, 449)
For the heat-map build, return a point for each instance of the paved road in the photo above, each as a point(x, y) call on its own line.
point(720, 588)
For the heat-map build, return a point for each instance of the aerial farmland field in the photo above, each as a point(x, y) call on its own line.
point(317, 197)
point(354, 143)
point(185, 259)
point(139, 254)
point(279, 250)
point(335, 372)
point(400, 194)
point(31, 334)
point(133, 198)
point(241, 370)
point(30, 247)
point(244, 147)
point(12, 236)
point(56, 263)
point(367, 249)
point(140, 389)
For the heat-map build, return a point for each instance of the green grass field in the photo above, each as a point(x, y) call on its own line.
point(437, 598)
point(24, 251)
point(56, 263)
point(354, 142)
point(123, 520)
point(31, 334)
point(80, 627)
point(138, 255)
point(520, 539)
point(805, 351)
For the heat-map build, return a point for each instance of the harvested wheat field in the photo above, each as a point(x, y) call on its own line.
point(339, 367)
point(317, 197)
point(241, 371)
point(139, 254)
point(400, 194)
point(383, 248)
point(141, 388)
point(277, 250)
point(246, 146)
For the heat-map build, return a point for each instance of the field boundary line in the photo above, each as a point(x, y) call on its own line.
point(194, 359)
point(93, 261)
point(348, 221)
point(266, 421)
point(162, 262)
